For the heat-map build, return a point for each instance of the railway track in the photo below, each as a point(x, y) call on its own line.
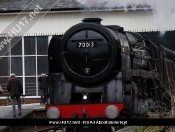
point(41, 114)
point(35, 114)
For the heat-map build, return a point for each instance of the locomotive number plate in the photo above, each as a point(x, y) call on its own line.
point(86, 45)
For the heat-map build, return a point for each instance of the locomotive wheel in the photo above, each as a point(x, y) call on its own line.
point(92, 63)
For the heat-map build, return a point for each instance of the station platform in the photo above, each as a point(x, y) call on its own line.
point(7, 113)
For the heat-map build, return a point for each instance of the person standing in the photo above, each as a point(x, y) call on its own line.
point(1, 91)
point(14, 87)
point(43, 87)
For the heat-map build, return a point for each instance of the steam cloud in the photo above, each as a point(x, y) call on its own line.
point(163, 10)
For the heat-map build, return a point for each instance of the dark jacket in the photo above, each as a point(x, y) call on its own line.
point(14, 86)
point(42, 82)
point(1, 91)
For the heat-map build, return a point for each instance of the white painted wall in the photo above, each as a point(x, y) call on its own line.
point(56, 23)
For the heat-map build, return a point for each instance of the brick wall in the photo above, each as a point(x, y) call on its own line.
point(30, 100)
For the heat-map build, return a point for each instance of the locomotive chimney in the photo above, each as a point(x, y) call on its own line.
point(93, 20)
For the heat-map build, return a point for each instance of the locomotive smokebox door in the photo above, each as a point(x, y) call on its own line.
point(88, 52)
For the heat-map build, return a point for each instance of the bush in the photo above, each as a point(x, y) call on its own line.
point(5, 102)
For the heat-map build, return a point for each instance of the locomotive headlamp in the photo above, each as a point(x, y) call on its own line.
point(53, 113)
point(85, 96)
point(111, 111)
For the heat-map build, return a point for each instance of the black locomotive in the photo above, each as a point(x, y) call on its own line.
point(98, 71)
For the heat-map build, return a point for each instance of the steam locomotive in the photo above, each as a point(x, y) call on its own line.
point(98, 71)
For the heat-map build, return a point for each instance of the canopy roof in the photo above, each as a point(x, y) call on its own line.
point(7, 6)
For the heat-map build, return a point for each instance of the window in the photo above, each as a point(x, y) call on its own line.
point(16, 65)
point(16, 46)
point(30, 86)
point(3, 83)
point(42, 45)
point(27, 58)
point(42, 64)
point(29, 47)
point(30, 66)
point(5, 66)
point(4, 47)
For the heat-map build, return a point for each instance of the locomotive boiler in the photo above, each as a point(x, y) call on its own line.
point(98, 71)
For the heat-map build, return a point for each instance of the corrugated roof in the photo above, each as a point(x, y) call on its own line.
point(13, 5)
point(19, 5)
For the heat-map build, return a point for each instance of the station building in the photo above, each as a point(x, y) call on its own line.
point(26, 54)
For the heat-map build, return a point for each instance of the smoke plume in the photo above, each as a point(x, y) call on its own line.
point(163, 10)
